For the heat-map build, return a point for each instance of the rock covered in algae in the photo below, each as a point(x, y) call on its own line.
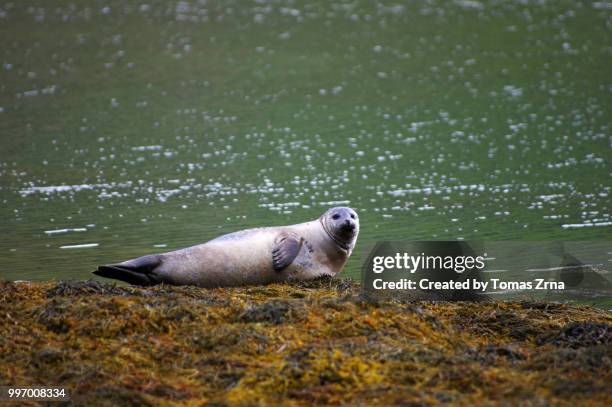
point(298, 344)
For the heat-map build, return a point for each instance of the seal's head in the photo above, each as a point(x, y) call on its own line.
point(342, 226)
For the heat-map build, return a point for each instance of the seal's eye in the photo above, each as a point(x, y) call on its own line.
point(352, 216)
point(335, 217)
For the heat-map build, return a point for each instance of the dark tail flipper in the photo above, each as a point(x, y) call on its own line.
point(140, 271)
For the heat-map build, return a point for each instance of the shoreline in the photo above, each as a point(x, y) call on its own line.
point(297, 344)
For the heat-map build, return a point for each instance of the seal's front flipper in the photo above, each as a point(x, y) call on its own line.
point(286, 248)
point(140, 271)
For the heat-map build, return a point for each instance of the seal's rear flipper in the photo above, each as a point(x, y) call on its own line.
point(140, 271)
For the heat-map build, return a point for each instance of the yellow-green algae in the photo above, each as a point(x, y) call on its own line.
point(298, 344)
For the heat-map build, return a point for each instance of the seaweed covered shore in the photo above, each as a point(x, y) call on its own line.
point(298, 344)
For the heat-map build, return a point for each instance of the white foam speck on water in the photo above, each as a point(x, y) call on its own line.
point(469, 4)
point(55, 188)
point(80, 246)
point(602, 5)
point(334, 203)
point(282, 207)
point(441, 189)
point(585, 225)
point(70, 188)
point(164, 194)
point(513, 91)
point(561, 268)
point(59, 231)
point(547, 198)
point(147, 148)
point(402, 192)
point(503, 292)
point(49, 90)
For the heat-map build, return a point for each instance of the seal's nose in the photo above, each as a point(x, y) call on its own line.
point(349, 224)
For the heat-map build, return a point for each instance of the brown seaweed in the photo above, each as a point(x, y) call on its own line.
point(297, 344)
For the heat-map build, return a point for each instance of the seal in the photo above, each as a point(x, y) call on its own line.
point(251, 257)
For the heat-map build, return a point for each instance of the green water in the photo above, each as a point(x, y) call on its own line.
point(152, 126)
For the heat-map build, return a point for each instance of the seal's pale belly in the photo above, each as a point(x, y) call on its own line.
point(242, 258)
